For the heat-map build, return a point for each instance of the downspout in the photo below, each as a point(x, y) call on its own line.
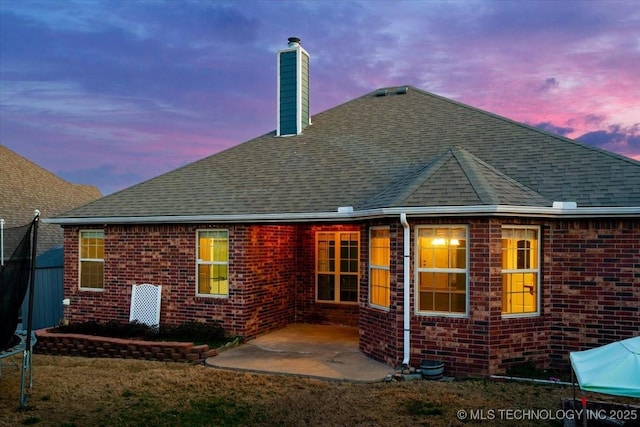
point(1, 241)
point(407, 281)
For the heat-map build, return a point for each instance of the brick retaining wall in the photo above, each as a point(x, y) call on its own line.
point(64, 344)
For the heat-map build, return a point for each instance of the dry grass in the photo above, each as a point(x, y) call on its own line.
point(113, 392)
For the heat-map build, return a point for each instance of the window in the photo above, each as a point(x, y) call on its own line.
point(520, 270)
point(213, 262)
point(337, 260)
point(379, 261)
point(442, 270)
point(92, 259)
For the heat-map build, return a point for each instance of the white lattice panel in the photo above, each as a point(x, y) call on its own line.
point(145, 304)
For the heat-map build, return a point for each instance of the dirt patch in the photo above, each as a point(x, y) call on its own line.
point(77, 391)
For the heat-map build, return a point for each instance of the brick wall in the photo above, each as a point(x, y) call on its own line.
point(264, 269)
point(465, 344)
point(595, 281)
point(271, 277)
point(381, 330)
point(590, 289)
point(590, 296)
point(260, 276)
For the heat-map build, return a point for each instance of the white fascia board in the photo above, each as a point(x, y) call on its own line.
point(431, 211)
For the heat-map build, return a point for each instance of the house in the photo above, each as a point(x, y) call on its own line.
point(25, 187)
point(440, 230)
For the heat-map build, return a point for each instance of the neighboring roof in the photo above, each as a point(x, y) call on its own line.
point(404, 149)
point(25, 187)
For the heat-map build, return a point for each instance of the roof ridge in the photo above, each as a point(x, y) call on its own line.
point(411, 181)
point(476, 179)
point(423, 174)
point(468, 162)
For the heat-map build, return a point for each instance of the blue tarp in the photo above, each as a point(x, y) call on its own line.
point(611, 369)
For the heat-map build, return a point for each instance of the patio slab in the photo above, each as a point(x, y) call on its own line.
point(317, 351)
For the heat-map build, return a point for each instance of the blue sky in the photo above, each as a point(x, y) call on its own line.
point(112, 93)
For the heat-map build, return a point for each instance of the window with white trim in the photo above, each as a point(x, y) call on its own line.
point(91, 269)
point(379, 262)
point(442, 270)
point(337, 266)
point(520, 270)
point(213, 263)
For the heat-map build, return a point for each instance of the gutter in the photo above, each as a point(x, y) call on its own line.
point(559, 210)
point(406, 289)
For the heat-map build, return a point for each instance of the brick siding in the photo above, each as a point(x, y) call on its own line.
point(271, 277)
point(590, 289)
point(590, 296)
point(595, 283)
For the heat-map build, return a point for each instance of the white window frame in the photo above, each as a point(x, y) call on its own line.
point(536, 270)
point(81, 260)
point(200, 262)
point(337, 272)
point(379, 267)
point(419, 270)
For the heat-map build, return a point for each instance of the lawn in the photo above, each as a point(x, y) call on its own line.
point(75, 391)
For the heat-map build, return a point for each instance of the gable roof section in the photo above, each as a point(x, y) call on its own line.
point(456, 178)
point(357, 153)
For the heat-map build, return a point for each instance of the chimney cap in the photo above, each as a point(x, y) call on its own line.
point(293, 40)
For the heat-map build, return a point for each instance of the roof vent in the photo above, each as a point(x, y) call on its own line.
point(293, 41)
point(565, 205)
point(382, 92)
point(402, 90)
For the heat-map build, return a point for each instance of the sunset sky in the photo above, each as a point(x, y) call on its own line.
point(112, 93)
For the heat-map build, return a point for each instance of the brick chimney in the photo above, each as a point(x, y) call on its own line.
point(293, 89)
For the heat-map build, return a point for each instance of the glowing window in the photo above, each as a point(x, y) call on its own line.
point(91, 260)
point(379, 261)
point(520, 270)
point(213, 263)
point(442, 270)
point(337, 266)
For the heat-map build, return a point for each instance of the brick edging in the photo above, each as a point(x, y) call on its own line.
point(64, 344)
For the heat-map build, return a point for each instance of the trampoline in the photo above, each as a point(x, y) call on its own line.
point(16, 276)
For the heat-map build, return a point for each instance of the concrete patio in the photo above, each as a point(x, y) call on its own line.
point(316, 351)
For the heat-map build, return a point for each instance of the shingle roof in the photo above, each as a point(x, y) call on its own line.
point(411, 149)
point(24, 187)
point(456, 178)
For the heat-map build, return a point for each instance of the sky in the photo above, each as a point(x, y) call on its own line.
point(112, 93)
